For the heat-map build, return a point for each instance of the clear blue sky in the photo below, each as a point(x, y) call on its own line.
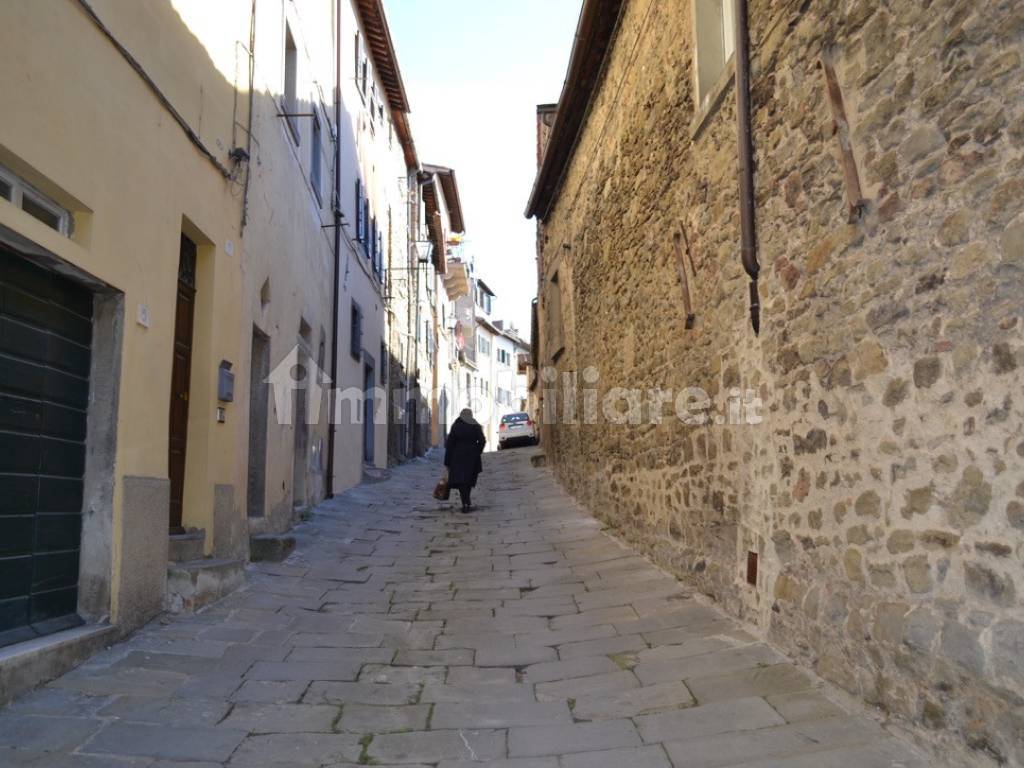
point(475, 71)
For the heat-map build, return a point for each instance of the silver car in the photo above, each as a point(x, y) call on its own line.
point(516, 428)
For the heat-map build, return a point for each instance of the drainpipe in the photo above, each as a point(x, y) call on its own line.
point(748, 231)
point(331, 427)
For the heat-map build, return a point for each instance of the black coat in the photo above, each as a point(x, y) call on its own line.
point(462, 453)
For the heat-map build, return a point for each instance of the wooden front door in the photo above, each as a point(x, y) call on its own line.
point(181, 374)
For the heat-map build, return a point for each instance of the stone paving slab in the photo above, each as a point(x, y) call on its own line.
point(724, 717)
point(639, 757)
point(20, 758)
point(166, 742)
point(402, 633)
point(364, 718)
point(499, 714)
point(435, 746)
point(633, 702)
point(281, 718)
point(45, 733)
point(297, 749)
point(567, 739)
point(728, 749)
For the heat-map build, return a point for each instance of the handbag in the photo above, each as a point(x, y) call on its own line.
point(442, 491)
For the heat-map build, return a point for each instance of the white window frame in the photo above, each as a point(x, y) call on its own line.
point(21, 189)
point(483, 345)
point(714, 46)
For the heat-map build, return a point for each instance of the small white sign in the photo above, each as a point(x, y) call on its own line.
point(142, 316)
point(229, 247)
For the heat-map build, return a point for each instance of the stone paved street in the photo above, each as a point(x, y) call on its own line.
point(401, 632)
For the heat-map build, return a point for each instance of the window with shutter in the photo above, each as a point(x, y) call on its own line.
point(366, 226)
point(356, 336)
point(359, 56)
point(359, 212)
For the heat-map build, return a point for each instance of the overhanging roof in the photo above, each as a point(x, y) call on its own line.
point(451, 194)
point(483, 285)
point(595, 33)
point(433, 219)
point(385, 61)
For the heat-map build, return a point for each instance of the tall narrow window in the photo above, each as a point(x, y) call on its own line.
point(366, 225)
point(360, 220)
point(359, 57)
point(715, 42)
point(316, 159)
point(556, 341)
point(355, 347)
point(362, 66)
point(291, 74)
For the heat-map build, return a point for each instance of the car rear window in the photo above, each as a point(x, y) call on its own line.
point(514, 418)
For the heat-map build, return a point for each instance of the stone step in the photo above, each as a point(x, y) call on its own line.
point(194, 584)
point(187, 546)
point(272, 547)
point(372, 474)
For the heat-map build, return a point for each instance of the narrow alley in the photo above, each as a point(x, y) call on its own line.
point(402, 632)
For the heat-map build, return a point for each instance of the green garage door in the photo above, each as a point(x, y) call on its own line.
point(45, 336)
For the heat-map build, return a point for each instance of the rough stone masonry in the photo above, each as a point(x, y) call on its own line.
point(883, 493)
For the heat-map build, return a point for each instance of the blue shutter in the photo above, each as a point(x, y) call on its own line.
point(366, 225)
point(359, 211)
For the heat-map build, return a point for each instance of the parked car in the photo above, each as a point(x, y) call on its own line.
point(516, 428)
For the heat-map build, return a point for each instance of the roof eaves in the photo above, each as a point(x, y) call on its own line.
point(450, 188)
point(595, 35)
point(385, 60)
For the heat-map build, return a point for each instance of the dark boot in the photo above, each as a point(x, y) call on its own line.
point(464, 492)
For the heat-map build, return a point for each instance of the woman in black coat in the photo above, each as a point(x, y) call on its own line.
point(462, 455)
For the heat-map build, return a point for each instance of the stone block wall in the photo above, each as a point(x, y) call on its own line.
point(883, 491)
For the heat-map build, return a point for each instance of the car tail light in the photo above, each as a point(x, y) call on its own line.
point(502, 427)
point(529, 422)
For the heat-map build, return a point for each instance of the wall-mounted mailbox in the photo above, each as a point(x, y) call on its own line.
point(225, 383)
